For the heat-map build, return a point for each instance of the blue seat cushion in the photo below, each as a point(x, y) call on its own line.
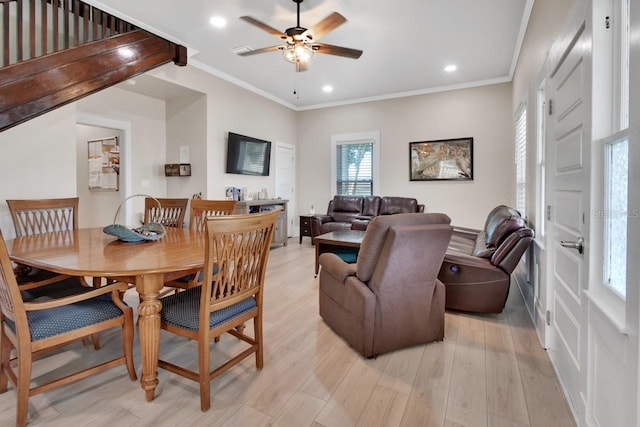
point(55, 321)
point(63, 288)
point(183, 308)
point(350, 256)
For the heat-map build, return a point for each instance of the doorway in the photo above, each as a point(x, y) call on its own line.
point(98, 208)
point(285, 181)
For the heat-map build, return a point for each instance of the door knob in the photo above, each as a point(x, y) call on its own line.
point(578, 244)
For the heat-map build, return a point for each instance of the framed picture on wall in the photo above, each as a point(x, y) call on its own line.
point(104, 163)
point(443, 159)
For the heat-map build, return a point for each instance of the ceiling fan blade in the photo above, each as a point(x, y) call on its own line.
point(263, 26)
point(261, 50)
point(325, 26)
point(329, 49)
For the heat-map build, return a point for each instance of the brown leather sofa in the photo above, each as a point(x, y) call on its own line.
point(477, 267)
point(390, 298)
point(355, 212)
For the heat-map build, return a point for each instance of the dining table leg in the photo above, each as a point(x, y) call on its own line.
point(148, 287)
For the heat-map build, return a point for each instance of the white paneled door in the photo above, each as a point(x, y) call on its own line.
point(285, 179)
point(567, 242)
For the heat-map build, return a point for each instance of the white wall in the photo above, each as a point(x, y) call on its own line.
point(231, 108)
point(37, 161)
point(187, 127)
point(483, 113)
point(147, 117)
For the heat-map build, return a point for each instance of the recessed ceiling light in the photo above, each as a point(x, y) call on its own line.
point(327, 89)
point(450, 68)
point(218, 21)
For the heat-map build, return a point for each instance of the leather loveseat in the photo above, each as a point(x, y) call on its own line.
point(355, 212)
point(477, 267)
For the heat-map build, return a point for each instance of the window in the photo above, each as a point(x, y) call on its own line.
point(521, 160)
point(621, 62)
point(540, 164)
point(615, 215)
point(354, 173)
point(355, 164)
point(611, 132)
point(611, 38)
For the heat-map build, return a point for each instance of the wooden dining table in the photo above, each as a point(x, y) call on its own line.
point(91, 252)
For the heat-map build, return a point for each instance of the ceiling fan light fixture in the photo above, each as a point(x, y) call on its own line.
point(297, 53)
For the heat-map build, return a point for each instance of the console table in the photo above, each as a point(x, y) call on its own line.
point(252, 206)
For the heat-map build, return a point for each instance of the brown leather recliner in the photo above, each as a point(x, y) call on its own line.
point(390, 298)
point(477, 268)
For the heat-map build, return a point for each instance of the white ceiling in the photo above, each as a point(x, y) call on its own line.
point(406, 44)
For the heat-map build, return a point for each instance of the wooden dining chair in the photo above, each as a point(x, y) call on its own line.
point(33, 328)
point(38, 216)
point(239, 246)
point(170, 213)
point(200, 210)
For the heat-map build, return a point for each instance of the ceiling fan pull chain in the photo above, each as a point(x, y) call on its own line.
point(295, 85)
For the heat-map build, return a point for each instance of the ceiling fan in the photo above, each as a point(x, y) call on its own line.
point(301, 43)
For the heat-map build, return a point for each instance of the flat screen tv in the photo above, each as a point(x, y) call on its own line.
point(247, 155)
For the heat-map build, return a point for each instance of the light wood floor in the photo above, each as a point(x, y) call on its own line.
point(489, 371)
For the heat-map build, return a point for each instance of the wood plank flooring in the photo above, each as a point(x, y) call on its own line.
point(489, 371)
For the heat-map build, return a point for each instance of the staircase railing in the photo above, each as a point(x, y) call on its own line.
point(33, 28)
point(54, 52)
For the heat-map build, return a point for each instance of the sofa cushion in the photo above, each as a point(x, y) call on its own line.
point(460, 245)
point(334, 226)
point(396, 205)
point(502, 229)
point(480, 248)
point(345, 217)
point(497, 214)
point(347, 204)
point(370, 206)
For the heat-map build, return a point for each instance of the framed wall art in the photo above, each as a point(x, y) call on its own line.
point(444, 159)
point(104, 164)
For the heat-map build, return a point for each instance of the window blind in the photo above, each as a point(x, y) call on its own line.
point(354, 169)
point(521, 161)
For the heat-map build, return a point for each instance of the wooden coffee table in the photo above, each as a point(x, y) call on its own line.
point(335, 241)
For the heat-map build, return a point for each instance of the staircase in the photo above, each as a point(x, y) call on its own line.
point(54, 52)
